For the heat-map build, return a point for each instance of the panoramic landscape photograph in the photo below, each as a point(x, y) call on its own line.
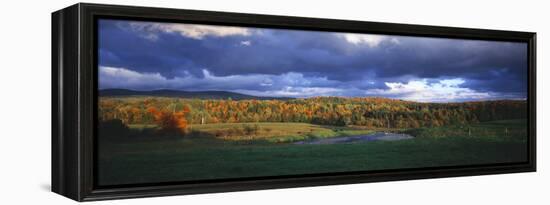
point(190, 102)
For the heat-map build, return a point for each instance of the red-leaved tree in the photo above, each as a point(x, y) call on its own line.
point(170, 121)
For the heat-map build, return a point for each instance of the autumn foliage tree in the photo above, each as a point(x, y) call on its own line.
point(170, 121)
point(176, 113)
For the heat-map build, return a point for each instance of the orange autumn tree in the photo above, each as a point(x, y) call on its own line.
point(170, 121)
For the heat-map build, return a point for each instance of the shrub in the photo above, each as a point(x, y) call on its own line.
point(170, 122)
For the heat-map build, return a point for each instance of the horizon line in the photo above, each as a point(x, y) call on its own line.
point(320, 96)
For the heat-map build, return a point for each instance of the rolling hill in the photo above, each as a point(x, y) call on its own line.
point(184, 94)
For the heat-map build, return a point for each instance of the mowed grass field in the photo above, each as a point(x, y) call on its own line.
point(267, 151)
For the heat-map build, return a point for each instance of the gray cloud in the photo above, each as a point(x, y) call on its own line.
point(334, 63)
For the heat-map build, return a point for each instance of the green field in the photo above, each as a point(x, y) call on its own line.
point(270, 132)
point(275, 132)
point(267, 151)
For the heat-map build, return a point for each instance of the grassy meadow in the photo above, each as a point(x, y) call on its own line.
point(267, 131)
point(236, 150)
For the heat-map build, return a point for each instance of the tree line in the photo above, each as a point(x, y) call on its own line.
point(369, 112)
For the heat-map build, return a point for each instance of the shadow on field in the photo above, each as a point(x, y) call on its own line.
point(114, 131)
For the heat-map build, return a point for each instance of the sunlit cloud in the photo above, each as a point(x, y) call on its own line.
point(295, 85)
point(288, 84)
point(111, 77)
point(423, 91)
point(370, 40)
point(150, 30)
point(246, 43)
point(295, 92)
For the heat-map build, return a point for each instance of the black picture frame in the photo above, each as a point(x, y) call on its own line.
point(74, 97)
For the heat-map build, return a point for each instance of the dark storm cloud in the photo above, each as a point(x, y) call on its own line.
point(350, 63)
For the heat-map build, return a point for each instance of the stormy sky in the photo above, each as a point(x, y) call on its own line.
point(290, 63)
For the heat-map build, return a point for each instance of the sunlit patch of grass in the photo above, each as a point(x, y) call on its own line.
point(274, 132)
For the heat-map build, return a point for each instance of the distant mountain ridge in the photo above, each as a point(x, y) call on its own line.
point(184, 94)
